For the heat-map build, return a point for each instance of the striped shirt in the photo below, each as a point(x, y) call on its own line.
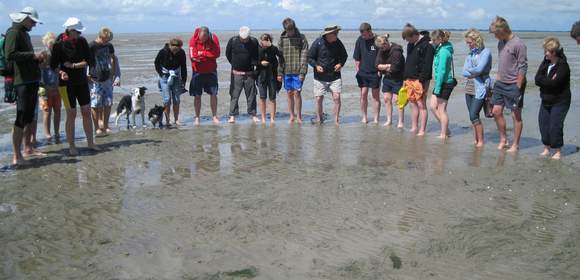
point(513, 60)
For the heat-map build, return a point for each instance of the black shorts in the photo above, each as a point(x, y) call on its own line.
point(445, 93)
point(70, 94)
point(368, 80)
point(27, 97)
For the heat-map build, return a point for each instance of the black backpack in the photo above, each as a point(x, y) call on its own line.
point(6, 68)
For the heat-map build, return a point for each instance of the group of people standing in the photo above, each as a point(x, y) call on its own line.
point(75, 71)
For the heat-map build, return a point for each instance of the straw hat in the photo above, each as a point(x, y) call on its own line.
point(330, 29)
point(22, 15)
point(73, 23)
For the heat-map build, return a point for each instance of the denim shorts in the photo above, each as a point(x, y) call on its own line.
point(207, 82)
point(102, 94)
point(391, 86)
point(292, 82)
point(170, 93)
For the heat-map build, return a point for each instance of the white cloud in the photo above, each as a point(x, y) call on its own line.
point(294, 5)
point(477, 14)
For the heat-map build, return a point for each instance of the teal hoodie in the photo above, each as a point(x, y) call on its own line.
point(442, 66)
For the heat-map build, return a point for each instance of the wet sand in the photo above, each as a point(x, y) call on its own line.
point(287, 201)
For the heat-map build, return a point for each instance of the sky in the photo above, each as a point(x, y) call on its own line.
point(183, 15)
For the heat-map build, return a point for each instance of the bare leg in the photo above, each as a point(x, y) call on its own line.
point(364, 102)
point(388, 97)
point(518, 127)
point(401, 121)
point(433, 105)
point(272, 111)
point(546, 151)
point(478, 128)
point(298, 97)
point(500, 122)
point(213, 104)
point(46, 124)
point(558, 154)
point(319, 112)
point(337, 105)
point(17, 136)
point(376, 105)
point(166, 111)
point(105, 119)
point(423, 111)
point(56, 122)
point(88, 127)
point(414, 116)
point(443, 117)
point(95, 113)
point(176, 113)
point(291, 106)
point(197, 109)
point(71, 115)
point(263, 109)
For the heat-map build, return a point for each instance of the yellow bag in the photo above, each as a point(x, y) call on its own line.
point(403, 99)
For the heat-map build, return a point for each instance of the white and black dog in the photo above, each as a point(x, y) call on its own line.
point(156, 116)
point(132, 104)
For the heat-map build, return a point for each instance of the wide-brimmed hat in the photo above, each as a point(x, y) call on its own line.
point(330, 29)
point(73, 23)
point(26, 12)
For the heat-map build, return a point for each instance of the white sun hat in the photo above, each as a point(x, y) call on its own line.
point(244, 32)
point(26, 12)
point(73, 23)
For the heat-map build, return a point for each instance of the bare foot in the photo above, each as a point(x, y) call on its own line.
point(502, 145)
point(557, 156)
point(48, 137)
point(364, 120)
point(72, 151)
point(299, 120)
point(413, 130)
point(388, 123)
point(441, 136)
point(108, 130)
point(36, 153)
point(177, 123)
point(232, 119)
point(255, 119)
point(421, 133)
point(479, 145)
point(545, 153)
point(19, 162)
point(400, 126)
point(291, 120)
point(196, 121)
point(272, 121)
point(99, 132)
point(263, 120)
point(375, 121)
point(514, 148)
point(216, 120)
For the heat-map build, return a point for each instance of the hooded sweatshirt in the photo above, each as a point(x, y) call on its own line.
point(204, 55)
point(20, 53)
point(170, 61)
point(419, 63)
point(555, 83)
point(243, 56)
point(443, 64)
point(73, 51)
point(393, 56)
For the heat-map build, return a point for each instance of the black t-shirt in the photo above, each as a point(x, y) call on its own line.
point(366, 52)
point(102, 54)
point(73, 52)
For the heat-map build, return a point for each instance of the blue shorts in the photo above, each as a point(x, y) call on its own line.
point(508, 95)
point(392, 86)
point(368, 80)
point(102, 94)
point(207, 82)
point(170, 93)
point(292, 82)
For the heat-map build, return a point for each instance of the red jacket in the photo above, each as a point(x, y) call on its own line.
point(203, 55)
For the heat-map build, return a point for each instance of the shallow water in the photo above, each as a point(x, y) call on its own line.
point(293, 202)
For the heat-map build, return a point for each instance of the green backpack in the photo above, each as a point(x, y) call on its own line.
point(5, 67)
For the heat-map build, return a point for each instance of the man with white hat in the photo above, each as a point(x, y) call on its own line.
point(26, 71)
point(242, 53)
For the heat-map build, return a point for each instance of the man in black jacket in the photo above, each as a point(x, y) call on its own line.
point(327, 56)
point(25, 64)
point(242, 53)
point(418, 70)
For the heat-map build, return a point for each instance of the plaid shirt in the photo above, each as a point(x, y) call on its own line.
point(294, 51)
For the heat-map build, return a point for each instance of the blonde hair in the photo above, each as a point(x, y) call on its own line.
point(106, 33)
point(499, 23)
point(475, 35)
point(551, 44)
point(441, 34)
point(381, 40)
point(48, 39)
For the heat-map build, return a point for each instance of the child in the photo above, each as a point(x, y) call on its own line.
point(49, 98)
point(268, 85)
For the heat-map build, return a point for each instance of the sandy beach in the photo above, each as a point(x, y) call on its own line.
point(285, 201)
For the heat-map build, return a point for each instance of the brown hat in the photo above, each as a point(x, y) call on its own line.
point(330, 29)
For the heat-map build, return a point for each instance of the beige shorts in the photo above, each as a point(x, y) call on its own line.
point(323, 88)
